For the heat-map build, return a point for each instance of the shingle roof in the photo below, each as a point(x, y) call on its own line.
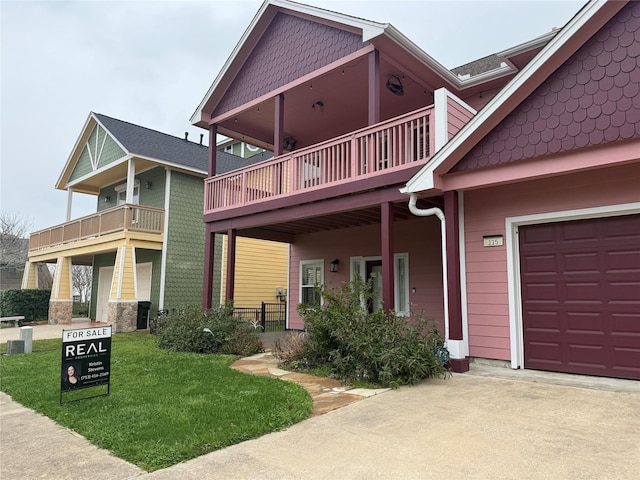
point(156, 145)
point(482, 65)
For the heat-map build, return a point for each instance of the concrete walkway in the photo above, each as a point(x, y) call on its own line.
point(491, 423)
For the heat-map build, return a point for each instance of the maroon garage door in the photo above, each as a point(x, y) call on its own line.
point(581, 296)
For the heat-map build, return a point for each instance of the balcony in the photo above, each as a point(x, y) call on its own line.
point(120, 219)
point(390, 146)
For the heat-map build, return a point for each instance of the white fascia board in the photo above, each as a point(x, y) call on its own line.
point(369, 30)
point(100, 170)
point(537, 42)
point(59, 183)
point(174, 166)
point(423, 180)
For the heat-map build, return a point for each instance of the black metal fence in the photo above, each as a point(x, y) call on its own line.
point(270, 317)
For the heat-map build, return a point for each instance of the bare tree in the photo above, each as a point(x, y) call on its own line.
point(14, 230)
point(82, 277)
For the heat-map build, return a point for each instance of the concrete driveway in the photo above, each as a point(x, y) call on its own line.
point(466, 427)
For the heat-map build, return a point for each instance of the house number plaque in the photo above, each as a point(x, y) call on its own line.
point(493, 240)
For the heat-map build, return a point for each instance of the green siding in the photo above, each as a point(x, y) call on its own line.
point(153, 196)
point(155, 257)
point(107, 153)
point(185, 242)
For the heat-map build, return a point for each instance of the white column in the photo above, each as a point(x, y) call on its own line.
point(131, 176)
point(69, 203)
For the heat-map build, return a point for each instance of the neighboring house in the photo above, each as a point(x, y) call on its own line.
point(146, 239)
point(547, 182)
point(13, 252)
point(242, 149)
point(352, 110)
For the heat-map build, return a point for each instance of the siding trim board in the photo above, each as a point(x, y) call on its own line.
point(516, 340)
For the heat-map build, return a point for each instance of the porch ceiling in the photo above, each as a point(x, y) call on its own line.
point(336, 220)
point(343, 93)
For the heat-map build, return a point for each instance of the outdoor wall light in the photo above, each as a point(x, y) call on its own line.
point(333, 266)
point(394, 85)
point(149, 185)
point(107, 199)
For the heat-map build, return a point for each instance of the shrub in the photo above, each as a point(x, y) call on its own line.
point(381, 348)
point(190, 329)
point(291, 347)
point(33, 304)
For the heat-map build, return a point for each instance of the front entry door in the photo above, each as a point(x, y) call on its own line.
point(374, 273)
point(105, 278)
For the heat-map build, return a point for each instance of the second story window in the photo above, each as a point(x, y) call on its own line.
point(121, 192)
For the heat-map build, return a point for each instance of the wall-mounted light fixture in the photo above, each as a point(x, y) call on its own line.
point(289, 143)
point(318, 106)
point(149, 185)
point(107, 199)
point(333, 266)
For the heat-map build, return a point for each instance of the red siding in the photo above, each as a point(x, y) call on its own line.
point(420, 238)
point(485, 213)
point(594, 98)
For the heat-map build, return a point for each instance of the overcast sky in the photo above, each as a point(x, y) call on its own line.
point(151, 62)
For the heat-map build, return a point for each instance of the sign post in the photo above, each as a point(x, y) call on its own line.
point(86, 359)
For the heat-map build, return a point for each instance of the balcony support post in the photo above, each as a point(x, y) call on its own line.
point(278, 125)
point(122, 310)
point(457, 345)
point(61, 299)
point(30, 276)
point(213, 132)
point(388, 281)
point(231, 263)
point(69, 203)
point(374, 87)
point(209, 259)
point(131, 178)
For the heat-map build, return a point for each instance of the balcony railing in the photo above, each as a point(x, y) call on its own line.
point(117, 219)
point(392, 145)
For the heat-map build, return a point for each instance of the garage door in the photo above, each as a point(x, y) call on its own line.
point(581, 296)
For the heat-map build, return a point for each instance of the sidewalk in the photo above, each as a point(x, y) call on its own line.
point(40, 332)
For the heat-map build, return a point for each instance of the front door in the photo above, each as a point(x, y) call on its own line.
point(105, 278)
point(374, 273)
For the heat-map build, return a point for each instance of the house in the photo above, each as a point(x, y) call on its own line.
point(351, 110)
point(241, 149)
point(546, 178)
point(146, 239)
point(13, 252)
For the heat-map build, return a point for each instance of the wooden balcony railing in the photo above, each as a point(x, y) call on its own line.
point(117, 219)
point(392, 145)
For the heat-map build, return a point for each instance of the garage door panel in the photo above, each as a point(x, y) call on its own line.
point(580, 289)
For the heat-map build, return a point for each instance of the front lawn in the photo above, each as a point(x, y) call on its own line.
point(164, 407)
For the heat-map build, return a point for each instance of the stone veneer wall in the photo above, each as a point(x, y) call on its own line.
point(123, 316)
point(60, 312)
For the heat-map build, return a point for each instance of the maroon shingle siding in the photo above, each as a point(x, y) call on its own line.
point(290, 48)
point(594, 98)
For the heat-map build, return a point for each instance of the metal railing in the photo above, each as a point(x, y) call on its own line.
point(269, 317)
point(122, 218)
point(392, 145)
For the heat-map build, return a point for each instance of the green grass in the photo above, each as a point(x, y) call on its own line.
point(164, 408)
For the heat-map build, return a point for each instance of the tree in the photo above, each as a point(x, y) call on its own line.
point(14, 243)
point(82, 276)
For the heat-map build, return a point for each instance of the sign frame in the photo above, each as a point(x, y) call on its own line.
point(85, 360)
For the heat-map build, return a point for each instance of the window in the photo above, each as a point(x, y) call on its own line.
point(121, 192)
point(311, 274)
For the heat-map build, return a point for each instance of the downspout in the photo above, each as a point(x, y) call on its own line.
point(429, 212)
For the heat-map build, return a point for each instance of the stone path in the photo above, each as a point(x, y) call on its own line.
point(327, 393)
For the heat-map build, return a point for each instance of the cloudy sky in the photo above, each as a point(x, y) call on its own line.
point(151, 62)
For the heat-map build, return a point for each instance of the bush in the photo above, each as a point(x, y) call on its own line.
point(291, 347)
point(80, 309)
point(380, 348)
point(33, 304)
point(183, 330)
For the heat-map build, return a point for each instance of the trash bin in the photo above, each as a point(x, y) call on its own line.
point(143, 315)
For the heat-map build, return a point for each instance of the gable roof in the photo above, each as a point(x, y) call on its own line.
point(156, 148)
point(383, 36)
point(572, 36)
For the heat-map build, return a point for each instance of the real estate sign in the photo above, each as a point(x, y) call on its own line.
point(86, 358)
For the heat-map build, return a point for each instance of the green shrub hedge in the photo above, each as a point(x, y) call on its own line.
point(190, 329)
point(380, 348)
point(33, 304)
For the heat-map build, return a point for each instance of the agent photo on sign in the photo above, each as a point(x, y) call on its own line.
point(70, 378)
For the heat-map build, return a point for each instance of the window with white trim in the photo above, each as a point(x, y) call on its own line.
point(121, 193)
point(311, 275)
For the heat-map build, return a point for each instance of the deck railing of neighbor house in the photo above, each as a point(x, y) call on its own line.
point(122, 218)
point(391, 145)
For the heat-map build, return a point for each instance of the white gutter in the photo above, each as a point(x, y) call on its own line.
point(429, 212)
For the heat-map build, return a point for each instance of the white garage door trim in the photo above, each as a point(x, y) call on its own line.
point(513, 264)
